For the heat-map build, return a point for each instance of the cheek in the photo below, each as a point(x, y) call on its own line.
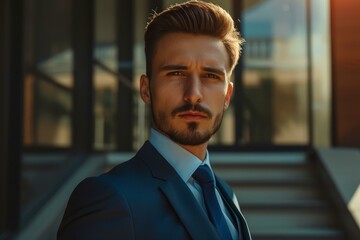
point(167, 95)
point(163, 100)
point(217, 98)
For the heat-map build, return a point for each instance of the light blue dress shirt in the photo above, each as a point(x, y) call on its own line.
point(185, 164)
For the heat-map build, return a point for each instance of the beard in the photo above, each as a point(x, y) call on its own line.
point(192, 135)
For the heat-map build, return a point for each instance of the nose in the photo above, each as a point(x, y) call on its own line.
point(193, 91)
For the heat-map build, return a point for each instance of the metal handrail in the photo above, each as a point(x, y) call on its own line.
point(124, 80)
point(47, 78)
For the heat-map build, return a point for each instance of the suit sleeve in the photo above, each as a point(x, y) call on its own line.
point(96, 210)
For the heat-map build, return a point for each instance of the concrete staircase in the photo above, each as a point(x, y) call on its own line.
point(280, 195)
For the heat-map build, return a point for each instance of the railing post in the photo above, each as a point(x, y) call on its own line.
point(125, 98)
point(238, 80)
point(11, 112)
point(83, 43)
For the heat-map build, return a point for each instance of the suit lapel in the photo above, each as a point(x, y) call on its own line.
point(188, 210)
point(239, 217)
point(178, 194)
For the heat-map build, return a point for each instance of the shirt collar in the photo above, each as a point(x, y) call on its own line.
point(184, 162)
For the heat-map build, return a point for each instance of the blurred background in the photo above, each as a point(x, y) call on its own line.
point(288, 145)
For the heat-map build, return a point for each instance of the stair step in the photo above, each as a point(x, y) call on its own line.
point(282, 205)
point(290, 175)
point(272, 158)
point(280, 196)
point(246, 193)
point(272, 183)
point(291, 219)
point(300, 234)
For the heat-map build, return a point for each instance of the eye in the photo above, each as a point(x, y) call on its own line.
point(175, 73)
point(211, 75)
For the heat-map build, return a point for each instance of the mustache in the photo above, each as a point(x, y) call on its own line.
point(191, 107)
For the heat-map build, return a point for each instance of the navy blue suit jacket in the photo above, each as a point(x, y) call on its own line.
point(143, 198)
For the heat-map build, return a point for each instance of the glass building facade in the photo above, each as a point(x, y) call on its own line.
point(81, 64)
point(277, 81)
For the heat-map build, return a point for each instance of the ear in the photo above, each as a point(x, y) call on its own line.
point(228, 95)
point(145, 89)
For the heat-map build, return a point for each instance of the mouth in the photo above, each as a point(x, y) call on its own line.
point(193, 115)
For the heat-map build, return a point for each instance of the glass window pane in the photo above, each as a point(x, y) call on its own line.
point(105, 75)
point(53, 114)
point(321, 72)
point(48, 76)
point(105, 109)
point(275, 76)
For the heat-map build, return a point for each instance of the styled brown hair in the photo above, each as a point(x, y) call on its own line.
point(195, 17)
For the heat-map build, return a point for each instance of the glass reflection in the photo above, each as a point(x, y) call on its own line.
point(275, 72)
point(105, 75)
point(48, 82)
point(105, 95)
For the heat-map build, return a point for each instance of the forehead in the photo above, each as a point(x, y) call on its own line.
point(185, 48)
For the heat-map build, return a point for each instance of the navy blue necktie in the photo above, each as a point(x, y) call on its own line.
point(205, 178)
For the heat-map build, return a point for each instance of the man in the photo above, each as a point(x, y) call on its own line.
point(167, 190)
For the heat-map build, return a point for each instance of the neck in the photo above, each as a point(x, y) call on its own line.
point(199, 150)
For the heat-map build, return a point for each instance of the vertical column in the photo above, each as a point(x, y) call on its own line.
point(83, 42)
point(125, 42)
point(238, 100)
point(345, 39)
point(309, 74)
point(11, 111)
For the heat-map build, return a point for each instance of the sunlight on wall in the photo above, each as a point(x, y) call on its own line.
point(354, 206)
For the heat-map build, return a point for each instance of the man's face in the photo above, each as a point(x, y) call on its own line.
point(189, 88)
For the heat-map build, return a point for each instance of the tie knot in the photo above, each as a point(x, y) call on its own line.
point(203, 175)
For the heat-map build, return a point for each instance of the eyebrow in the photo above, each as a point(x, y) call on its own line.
point(174, 67)
point(182, 67)
point(214, 70)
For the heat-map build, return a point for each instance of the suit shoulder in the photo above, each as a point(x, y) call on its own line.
point(91, 190)
point(126, 171)
point(95, 201)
